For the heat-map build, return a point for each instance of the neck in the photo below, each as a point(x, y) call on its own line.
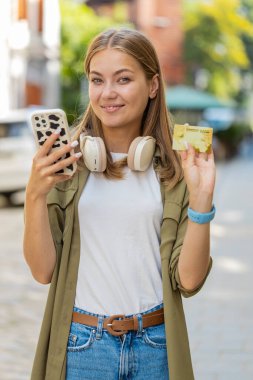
point(117, 140)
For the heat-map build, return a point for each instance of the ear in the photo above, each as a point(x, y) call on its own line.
point(154, 85)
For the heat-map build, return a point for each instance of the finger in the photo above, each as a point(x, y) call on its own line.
point(191, 155)
point(61, 178)
point(62, 164)
point(48, 144)
point(210, 155)
point(52, 180)
point(202, 156)
point(61, 152)
point(44, 162)
point(183, 155)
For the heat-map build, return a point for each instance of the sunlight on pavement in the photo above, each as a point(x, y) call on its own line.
point(231, 265)
point(232, 216)
point(218, 231)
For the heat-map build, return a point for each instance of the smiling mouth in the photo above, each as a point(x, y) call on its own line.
point(112, 108)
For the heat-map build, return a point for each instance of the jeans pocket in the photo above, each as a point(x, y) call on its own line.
point(80, 337)
point(155, 336)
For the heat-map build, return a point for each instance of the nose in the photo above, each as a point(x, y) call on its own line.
point(109, 91)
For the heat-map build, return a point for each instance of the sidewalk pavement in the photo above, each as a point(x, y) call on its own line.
point(22, 301)
point(219, 318)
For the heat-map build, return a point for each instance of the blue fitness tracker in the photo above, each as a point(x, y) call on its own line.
point(199, 217)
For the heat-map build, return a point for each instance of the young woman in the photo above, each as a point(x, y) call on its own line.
point(127, 235)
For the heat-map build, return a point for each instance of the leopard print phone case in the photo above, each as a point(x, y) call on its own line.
point(44, 123)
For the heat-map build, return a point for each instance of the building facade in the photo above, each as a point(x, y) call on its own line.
point(29, 50)
point(161, 21)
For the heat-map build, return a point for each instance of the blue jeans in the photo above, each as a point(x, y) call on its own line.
point(94, 354)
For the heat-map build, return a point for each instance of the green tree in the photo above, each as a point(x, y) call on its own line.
point(79, 25)
point(214, 31)
point(247, 9)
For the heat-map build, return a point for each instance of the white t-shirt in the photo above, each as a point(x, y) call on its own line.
point(120, 264)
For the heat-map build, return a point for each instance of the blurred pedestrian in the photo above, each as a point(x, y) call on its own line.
point(127, 235)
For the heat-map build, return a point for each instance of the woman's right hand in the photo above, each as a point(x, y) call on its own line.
point(43, 175)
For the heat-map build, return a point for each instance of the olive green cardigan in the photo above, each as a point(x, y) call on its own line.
point(50, 358)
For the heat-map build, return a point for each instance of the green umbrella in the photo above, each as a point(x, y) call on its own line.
point(185, 97)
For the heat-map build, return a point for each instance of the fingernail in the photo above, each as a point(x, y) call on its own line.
point(77, 155)
point(186, 145)
point(57, 131)
point(74, 144)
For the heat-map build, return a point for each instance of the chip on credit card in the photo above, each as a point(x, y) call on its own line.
point(200, 138)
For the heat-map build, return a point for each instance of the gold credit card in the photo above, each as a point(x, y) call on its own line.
point(199, 137)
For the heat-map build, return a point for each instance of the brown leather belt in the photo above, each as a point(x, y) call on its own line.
point(118, 324)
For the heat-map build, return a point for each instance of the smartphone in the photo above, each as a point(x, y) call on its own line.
point(44, 123)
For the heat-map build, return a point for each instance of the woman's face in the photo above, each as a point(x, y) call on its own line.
point(119, 90)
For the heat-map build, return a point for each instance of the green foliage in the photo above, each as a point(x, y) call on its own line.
point(214, 31)
point(79, 25)
point(247, 9)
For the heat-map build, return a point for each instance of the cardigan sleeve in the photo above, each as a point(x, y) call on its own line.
point(181, 230)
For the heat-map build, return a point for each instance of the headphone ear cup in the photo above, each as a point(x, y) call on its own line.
point(140, 153)
point(94, 153)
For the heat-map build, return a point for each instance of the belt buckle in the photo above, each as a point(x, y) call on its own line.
point(110, 323)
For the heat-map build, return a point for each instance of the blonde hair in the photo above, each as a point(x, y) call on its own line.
point(156, 121)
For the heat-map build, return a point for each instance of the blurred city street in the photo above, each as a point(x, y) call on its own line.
point(219, 318)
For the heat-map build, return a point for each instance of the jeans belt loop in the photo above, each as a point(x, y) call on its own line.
point(140, 324)
point(99, 327)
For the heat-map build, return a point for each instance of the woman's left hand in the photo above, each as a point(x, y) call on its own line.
point(199, 172)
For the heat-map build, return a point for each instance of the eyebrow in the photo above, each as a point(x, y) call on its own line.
point(116, 72)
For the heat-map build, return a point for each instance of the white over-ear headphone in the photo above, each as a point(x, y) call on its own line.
point(140, 153)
